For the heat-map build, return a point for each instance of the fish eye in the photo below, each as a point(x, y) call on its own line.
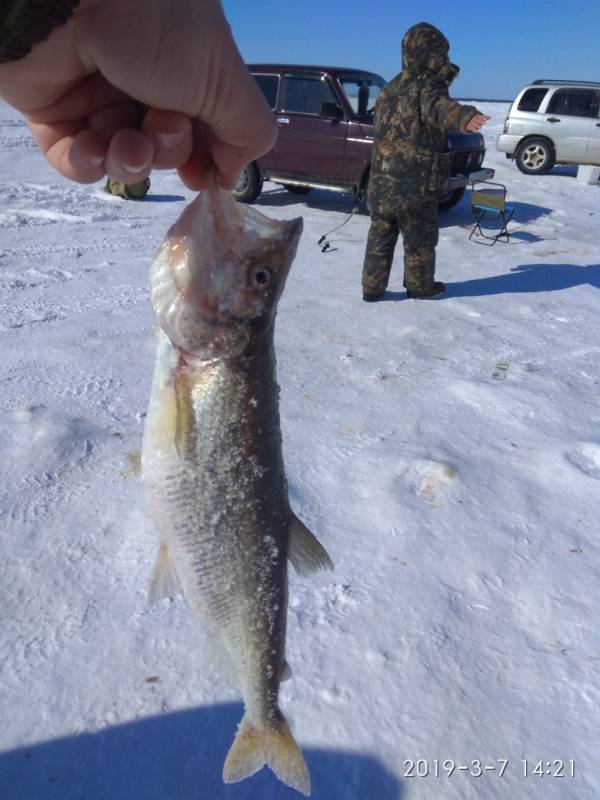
point(262, 277)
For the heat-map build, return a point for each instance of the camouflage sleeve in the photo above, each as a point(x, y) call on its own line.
point(439, 110)
point(377, 114)
point(24, 23)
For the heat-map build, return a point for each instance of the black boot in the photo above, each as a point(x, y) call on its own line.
point(437, 288)
point(372, 297)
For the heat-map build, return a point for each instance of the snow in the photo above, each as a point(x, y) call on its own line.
point(446, 452)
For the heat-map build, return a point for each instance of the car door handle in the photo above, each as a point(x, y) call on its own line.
point(282, 120)
point(553, 119)
point(598, 124)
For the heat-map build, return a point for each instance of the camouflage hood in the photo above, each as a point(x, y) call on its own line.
point(425, 48)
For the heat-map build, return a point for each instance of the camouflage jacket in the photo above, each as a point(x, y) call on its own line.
point(413, 115)
point(24, 23)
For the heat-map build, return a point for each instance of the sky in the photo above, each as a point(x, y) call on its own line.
point(500, 47)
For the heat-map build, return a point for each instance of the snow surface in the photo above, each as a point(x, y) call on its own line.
point(446, 452)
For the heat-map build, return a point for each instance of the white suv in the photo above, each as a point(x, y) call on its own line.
point(553, 122)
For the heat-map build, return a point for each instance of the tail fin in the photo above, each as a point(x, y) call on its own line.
point(253, 748)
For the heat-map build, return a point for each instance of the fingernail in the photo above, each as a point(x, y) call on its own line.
point(169, 141)
point(135, 169)
point(95, 161)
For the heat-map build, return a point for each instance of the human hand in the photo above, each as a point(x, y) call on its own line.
point(477, 122)
point(131, 85)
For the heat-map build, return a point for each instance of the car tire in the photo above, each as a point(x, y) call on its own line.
point(249, 185)
point(535, 156)
point(451, 198)
point(296, 189)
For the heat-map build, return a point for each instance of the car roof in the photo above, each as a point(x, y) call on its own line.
point(307, 68)
point(558, 82)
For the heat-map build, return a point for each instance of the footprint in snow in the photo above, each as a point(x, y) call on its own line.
point(335, 696)
point(427, 478)
point(134, 458)
point(32, 316)
point(47, 460)
point(586, 457)
point(30, 278)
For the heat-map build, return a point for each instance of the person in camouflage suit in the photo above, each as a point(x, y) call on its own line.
point(128, 191)
point(410, 165)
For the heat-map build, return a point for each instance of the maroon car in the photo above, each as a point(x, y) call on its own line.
point(325, 120)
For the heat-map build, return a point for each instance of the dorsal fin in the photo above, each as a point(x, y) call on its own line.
point(305, 552)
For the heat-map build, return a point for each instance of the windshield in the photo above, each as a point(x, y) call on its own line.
point(361, 89)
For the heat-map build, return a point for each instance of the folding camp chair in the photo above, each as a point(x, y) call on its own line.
point(490, 198)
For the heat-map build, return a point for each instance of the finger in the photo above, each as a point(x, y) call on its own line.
point(129, 156)
point(112, 119)
point(230, 161)
point(74, 151)
point(171, 135)
point(88, 96)
point(195, 170)
point(199, 73)
point(247, 132)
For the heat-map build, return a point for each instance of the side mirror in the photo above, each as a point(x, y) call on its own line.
point(331, 110)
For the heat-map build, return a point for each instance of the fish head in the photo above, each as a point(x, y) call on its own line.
point(217, 277)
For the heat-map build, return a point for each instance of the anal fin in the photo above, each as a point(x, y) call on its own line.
point(164, 582)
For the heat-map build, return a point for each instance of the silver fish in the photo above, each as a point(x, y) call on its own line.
point(212, 461)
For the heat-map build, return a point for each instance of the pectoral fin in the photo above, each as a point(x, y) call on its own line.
point(184, 412)
point(172, 425)
point(305, 552)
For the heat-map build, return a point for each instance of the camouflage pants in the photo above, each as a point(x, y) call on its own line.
point(417, 220)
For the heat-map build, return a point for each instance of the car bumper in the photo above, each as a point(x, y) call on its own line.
point(507, 143)
point(485, 174)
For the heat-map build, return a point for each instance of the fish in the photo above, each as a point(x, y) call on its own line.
point(212, 461)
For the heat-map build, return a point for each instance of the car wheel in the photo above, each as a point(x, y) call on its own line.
point(296, 189)
point(535, 156)
point(450, 198)
point(249, 185)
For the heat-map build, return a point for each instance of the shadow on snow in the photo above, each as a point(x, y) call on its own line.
point(523, 279)
point(528, 278)
point(320, 199)
point(176, 756)
point(323, 200)
point(162, 198)
point(462, 215)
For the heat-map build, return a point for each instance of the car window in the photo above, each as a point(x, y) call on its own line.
point(361, 91)
point(305, 94)
point(572, 102)
point(532, 99)
point(269, 85)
